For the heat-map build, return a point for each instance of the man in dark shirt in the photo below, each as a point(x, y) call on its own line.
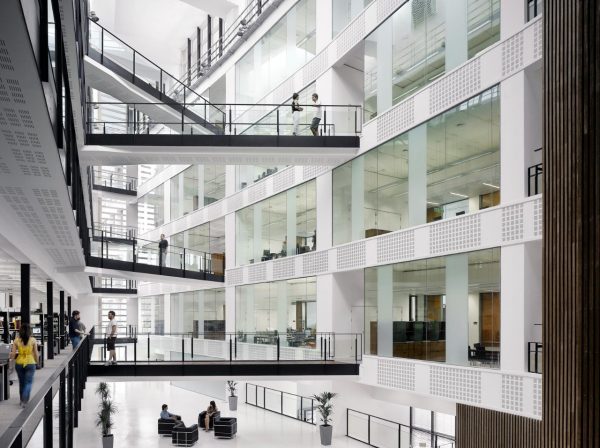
point(74, 331)
point(162, 249)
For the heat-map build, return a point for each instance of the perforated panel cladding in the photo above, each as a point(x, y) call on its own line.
point(315, 263)
point(512, 223)
point(257, 192)
point(538, 39)
point(352, 35)
point(283, 180)
point(455, 384)
point(351, 255)
point(235, 276)
point(396, 247)
point(386, 7)
point(537, 397)
point(314, 67)
point(284, 268)
point(392, 122)
point(455, 235)
point(458, 85)
point(257, 272)
point(538, 217)
point(512, 54)
point(397, 374)
point(235, 202)
point(512, 393)
point(310, 172)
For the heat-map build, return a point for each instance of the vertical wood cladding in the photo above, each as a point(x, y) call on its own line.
point(484, 428)
point(571, 281)
point(571, 254)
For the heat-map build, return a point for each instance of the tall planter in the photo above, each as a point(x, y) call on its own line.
point(233, 401)
point(325, 432)
point(107, 441)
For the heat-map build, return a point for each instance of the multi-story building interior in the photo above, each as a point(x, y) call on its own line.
point(381, 199)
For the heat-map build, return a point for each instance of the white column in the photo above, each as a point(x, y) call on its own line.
point(200, 302)
point(230, 240)
point(167, 312)
point(200, 186)
point(291, 221)
point(324, 211)
point(248, 298)
point(457, 48)
point(282, 310)
point(417, 175)
point(358, 198)
point(324, 303)
point(258, 242)
point(230, 310)
point(290, 43)
point(324, 22)
point(230, 180)
point(512, 17)
point(167, 201)
point(512, 142)
point(385, 305)
point(457, 308)
point(384, 66)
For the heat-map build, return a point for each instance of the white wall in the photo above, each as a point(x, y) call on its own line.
point(211, 388)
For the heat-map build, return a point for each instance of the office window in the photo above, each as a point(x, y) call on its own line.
point(151, 213)
point(344, 11)
point(201, 313)
point(151, 315)
point(119, 306)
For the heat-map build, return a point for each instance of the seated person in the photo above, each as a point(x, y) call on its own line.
point(166, 415)
point(210, 411)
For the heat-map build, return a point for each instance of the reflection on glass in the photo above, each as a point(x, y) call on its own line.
point(444, 309)
point(201, 313)
point(151, 209)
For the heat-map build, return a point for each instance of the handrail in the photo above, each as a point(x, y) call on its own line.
point(161, 70)
point(281, 412)
point(75, 365)
point(534, 349)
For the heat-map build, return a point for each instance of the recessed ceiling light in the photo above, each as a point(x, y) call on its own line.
point(433, 203)
point(491, 185)
point(459, 195)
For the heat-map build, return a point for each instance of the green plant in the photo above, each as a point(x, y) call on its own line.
point(325, 406)
point(104, 418)
point(232, 386)
point(106, 409)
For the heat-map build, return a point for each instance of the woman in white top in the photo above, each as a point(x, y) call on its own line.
point(296, 109)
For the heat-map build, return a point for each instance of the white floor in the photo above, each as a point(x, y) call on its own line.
point(139, 406)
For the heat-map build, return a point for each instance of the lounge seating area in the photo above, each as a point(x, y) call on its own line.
point(182, 436)
point(211, 420)
point(224, 427)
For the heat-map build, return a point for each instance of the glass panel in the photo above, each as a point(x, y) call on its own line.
point(272, 400)
point(384, 434)
point(358, 426)
point(251, 393)
point(116, 52)
point(346, 10)
point(291, 405)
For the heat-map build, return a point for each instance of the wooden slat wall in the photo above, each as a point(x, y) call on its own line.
point(571, 282)
point(484, 428)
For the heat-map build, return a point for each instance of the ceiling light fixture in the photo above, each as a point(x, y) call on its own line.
point(459, 195)
point(491, 185)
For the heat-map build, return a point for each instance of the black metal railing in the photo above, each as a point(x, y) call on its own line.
point(376, 431)
point(283, 403)
point(109, 283)
point(534, 357)
point(71, 376)
point(130, 64)
point(243, 118)
point(534, 8)
point(535, 178)
point(218, 345)
point(227, 43)
point(115, 230)
point(113, 181)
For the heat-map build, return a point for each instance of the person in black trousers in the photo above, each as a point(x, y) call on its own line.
point(163, 244)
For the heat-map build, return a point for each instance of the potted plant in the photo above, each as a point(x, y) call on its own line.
point(325, 410)
point(106, 410)
point(233, 399)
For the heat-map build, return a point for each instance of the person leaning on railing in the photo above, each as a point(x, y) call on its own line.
point(25, 353)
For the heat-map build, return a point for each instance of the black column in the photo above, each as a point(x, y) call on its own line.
point(70, 407)
point(189, 61)
point(43, 41)
point(220, 37)
point(61, 320)
point(69, 306)
point(50, 319)
point(208, 38)
point(198, 48)
point(62, 432)
point(25, 305)
point(48, 419)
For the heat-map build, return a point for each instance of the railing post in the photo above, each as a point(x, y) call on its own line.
point(230, 118)
point(277, 121)
point(148, 347)
point(182, 348)
point(355, 120)
point(230, 349)
point(192, 346)
point(48, 419)
point(278, 352)
point(101, 46)
point(135, 350)
point(62, 432)
point(355, 349)
point(369, 429)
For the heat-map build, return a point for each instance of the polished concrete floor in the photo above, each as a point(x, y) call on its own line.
point(139, 406)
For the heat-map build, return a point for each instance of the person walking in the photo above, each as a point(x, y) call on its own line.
point(163, 244)
point(314, 126)
point(296, 109)
point(75, 332)
point(25, 353)
point(111, 338)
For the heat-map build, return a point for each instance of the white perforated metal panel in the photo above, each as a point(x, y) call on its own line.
point(512, 393)
point(235, 276)
point(386, 7)
point(283, 180)
point(352, 35)
point(538, 217)
point(214, 211)
point(284, 268)
point(257, 192)
point(315, 263)
point(537, 397)
point(284, 91)
point(512, 54)
point(538, 39)
point(310, 172)
point(512, 223)
point(257, 273)
point(396, 247)
point(395, 373)
point(235, 202)
point(458, 85)
point(455, 235)
point(455, 384)
point(315, 67)
point(396, 120)
point(351, 256)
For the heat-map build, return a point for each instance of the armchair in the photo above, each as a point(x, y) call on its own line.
point(182, 436)
point(165, 426)
point(226, 427)
point(211, 421)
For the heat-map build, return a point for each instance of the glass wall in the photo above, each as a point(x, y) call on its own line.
point(419, 42)
point(444, 309)
point(208, 238)
point(196, 187)
point(287, 46)
point(267, 310)
point(151, 315)
point(151, 209)
point(199, 312)
point(346, 10)
point(446, 167)
point(284, 224)
point(247, 175)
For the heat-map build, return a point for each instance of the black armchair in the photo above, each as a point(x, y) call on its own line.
point(165, 426)
point(182, 436)
point(211, 421)
point(226, 427)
